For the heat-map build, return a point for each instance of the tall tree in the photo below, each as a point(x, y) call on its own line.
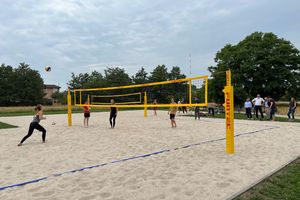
point(7, 89)
point(86, 80)
point(159, 92)
point(177, 90)
point(29, 85)
point(82, 80)
point(160, 73)
point(140, 77)
point(261, 63)
point(115, 76)
point(175, 73)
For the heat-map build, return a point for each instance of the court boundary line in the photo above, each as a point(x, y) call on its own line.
point(132, 158)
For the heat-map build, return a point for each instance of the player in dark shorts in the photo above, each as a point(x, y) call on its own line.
point(197, 109)
point(113, 114)
point(86, 111)
point(273, 108)
point(172, 113)
point(35, 124)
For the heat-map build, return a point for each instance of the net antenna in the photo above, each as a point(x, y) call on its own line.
point(190, 56)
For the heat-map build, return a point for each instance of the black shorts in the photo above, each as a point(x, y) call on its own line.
point(172, 116)
point(87, 115)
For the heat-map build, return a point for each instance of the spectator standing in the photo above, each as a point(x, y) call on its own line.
point(248, 107)
point(273, 109)
point(267, 104)
point(292, 109)
point(258, 103)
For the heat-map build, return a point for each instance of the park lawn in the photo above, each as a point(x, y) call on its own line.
point(4, 125)
point(52, 111)
point(243, 117)
point(284, 184)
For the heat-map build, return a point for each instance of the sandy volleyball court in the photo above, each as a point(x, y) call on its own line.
point(188, 162)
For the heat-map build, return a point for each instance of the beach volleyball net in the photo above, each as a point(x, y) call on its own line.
point(130, 98)
point(186, 92)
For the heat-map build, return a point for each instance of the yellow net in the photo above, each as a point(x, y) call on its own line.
point(188, 92)
point(131, 98)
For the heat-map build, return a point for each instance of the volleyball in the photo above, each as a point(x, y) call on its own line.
point(47, 69)
point(53, 123)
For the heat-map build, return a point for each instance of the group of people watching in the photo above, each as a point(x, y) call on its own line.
point(269, 106)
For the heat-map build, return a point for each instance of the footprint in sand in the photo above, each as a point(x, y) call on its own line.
point(36, 189)
point(83, 185)
point(223, 185)
point(88, 197)
point(189, 193)
point(160, 196)
point(116, 198)
point(105, 195)
point(44, 194)
point(134, 187)
point(176, 189)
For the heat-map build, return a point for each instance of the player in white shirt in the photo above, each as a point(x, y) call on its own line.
point(258, 103)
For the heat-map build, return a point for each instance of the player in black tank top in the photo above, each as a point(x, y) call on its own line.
point(113, 114)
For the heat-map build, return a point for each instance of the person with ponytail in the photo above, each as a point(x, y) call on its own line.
point(35, 124)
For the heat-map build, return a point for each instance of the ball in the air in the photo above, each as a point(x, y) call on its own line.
point(53, 123)
point(47, 69)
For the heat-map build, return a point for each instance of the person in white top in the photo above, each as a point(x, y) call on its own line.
point(258, 103)
point(248, 107)
point(267, 108)
point(179, 108)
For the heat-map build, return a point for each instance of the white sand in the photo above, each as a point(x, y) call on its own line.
point(199, 172)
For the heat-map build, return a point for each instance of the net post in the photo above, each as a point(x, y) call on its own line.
point(69, 108)
point(206, 91)
point(80, 101)
point(190, 92)
point(74, 97)
point(145, 104)
point(229, 114)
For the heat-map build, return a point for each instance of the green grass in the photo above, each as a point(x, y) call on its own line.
point(24, 113)
point(4, 125)
point(285, 184)
point(50, 111)
point(242, 116)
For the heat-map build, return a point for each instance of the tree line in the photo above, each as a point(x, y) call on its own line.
point(20, 86)
point(261, 63)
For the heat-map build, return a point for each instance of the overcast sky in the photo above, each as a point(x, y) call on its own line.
point(84, 35)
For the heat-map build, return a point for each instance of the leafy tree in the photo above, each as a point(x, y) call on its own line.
point(163, 93)
point(159, 92)
point(81, 80)
point(160, 73)
point(175, 74)
point(86, 80)
point(140, 77)
point(29, 85)
point(179, 91)
point(7, 89)
point(261, 63)
point(115, 76)
point(60, 96)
